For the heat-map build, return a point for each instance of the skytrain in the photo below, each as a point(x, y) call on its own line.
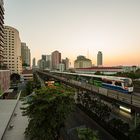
point(121, 84)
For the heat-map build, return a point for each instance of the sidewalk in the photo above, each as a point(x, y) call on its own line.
point(6, 110)
point(19, 123)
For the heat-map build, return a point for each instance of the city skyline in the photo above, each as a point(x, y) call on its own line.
point(79, 27)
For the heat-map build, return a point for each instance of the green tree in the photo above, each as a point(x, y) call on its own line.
point(103, 111)
point(29, 87)
point(25, 64)
point(135, 134)
point(37, 83)
point(87, 134)
point(86, 100)
point(47, 111)
point(15, 77)
point(119, 125)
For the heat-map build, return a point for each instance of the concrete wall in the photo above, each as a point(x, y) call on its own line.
point(4, 80)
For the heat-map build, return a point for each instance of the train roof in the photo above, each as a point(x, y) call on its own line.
point(97, 76)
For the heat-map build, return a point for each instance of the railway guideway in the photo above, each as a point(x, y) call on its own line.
point(128, 99)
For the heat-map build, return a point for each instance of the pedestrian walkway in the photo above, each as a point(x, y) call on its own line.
point(18, 123)
point(6, 110)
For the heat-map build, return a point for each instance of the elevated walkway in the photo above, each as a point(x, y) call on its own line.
point(7, 107)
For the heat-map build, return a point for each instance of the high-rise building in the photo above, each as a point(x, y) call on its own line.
point(61, 67)
point(41, 64)
point(82, 62)
point(12, 49)
point(99, 59)
point(66, 63)
point(56, 59)
point(25, 55)
point(34, 63)
point(48, 59)
point(44, 57)
point(1, 33)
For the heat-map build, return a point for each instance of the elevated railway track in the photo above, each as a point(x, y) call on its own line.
point(128, 100)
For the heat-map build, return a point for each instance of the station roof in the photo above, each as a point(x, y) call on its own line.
point(93, 68)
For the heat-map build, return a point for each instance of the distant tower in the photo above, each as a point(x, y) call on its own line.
point(56, 59)
point(99, 59)
point(44, 57)
point(25, 54)
point(34, 63)
point(48, 61)
point(66, 63)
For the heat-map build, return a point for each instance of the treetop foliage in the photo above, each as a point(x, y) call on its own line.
point(87, 134)
point(47, 111)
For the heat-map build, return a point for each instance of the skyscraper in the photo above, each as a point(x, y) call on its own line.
point(48, 59)
point(1, 32)
point(66, 63)
point(99, 59)
point(34, 63)
point(44, 57)
point(25, 54)
point(42, 63)
point(56, 59)
point(12, 49)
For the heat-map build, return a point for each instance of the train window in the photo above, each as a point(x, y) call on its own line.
point(106, 81)
point(109, 82)
point(118, 83)
point(128, 83)
point(97, 78)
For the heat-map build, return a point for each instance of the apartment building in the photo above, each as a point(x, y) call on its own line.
point(12, 50)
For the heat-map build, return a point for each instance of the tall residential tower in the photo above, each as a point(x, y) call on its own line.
point(25, 54)
point(56, 59)
point(99, 59)
point(12, 50)
point(1, 33)
point(33, 63)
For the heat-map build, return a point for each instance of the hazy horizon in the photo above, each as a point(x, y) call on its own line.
point(79, 27)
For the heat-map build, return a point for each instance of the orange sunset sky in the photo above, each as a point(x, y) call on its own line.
point(79, 27)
